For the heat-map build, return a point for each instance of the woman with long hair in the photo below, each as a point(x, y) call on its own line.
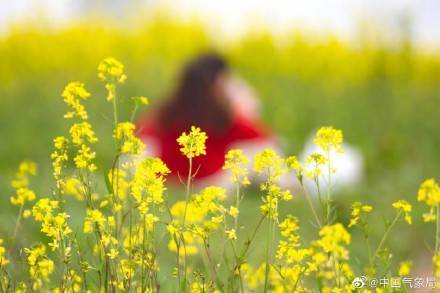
point(207, 97)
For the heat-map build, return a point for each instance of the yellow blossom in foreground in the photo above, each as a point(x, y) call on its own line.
point(233, 211)
point(208, 200)
point(94, 220)
point(141, 100)
point(231, 234)
point(293, 164)
point(254, 277)
point(193, 213)
point(111, 70)
point(405, 207)
point(21, 183)
point(405, 268)
point(357, 210)
point(119, 182)
point(27, 214)
point(74, 187)
point(44, 208)
point(190, 245)
point(271, 199)
point(147, 186)
point(40, 267)
point(3, 260)
point(73, 93)
point(332, 237)
point(84, 158)
point(315, 160)
point(268, 161)
point(129, 142)
point(436, 262)
point(237, 163)
point(82, 133)
point(328, 138)
point(429, 192)
point(113, 253)
point(59, 158)
point(193, 144)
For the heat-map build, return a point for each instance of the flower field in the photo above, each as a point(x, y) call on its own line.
point(88, 212)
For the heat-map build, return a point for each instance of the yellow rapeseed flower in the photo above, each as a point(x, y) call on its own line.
point(436, 262)
point(3, 260)
point(82, 133)
point(231, 234)
point(429, 192)
point(333, 238)
point(316, 160)
point(405, 268)
point(111, 70)
point(328, 138)
point(74, 187)
point(141, 100)
point(268, 162)
point(405, 207)
point(233, 211)
point(59, 159)
point(237, 163)
point(193, 144)
point(40, 267)
point(94, 220)
point(147, 185)
point(128, 141)
point(73, 93)
point(357, 209)
point(84, 158)
point(21, 183)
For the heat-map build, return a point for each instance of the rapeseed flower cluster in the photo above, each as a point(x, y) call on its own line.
point(329, 138)
point(193, 144)
point(40, 266)
point(21, 183)
point(237, 162)
point(111, 71)
point(429, 192)
point(3, 259)
point(60, 158)
point(405, 207)
point(73, 93)
point(358, 210)
point(125, 226)
point(125, 136)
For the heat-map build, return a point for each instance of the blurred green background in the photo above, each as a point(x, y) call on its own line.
point(385, 99)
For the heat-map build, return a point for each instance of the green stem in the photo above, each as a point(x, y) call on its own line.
point(237, 204)
point(187, 199)
point(188, 190)
point(133, 113)
point(239, 260)
point(437, 236)
point(329, 188)
point(115, 108)
point(384, 237)
point(17, 225)
point(268, 248)
point(309, 200)
point(437, 230)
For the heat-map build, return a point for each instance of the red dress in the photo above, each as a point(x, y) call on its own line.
point(164, 146)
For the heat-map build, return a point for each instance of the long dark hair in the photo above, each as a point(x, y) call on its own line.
point(194, 102)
